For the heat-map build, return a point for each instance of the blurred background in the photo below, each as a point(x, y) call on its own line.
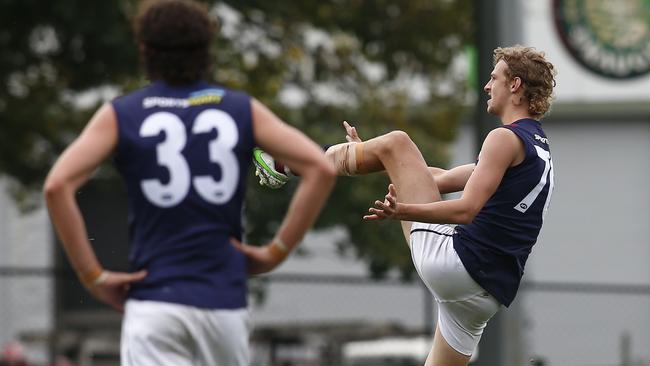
point(349, 296)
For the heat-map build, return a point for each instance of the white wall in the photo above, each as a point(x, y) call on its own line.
point(598, 227)
point(26, 302)
point(293, 303)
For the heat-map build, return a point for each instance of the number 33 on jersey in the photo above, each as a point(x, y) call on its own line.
point(176, 145)
point(169, 154)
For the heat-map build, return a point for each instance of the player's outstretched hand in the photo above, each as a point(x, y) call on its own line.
point(260, 259)
point(351, 133)
point(388, 209)
point(113, 288)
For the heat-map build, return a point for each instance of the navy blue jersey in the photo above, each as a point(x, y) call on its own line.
point(494, 247)
point(184, 153)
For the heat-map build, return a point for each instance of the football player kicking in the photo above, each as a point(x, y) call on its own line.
point(470, 251)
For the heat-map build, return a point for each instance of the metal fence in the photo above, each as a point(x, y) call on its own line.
point(314, 320)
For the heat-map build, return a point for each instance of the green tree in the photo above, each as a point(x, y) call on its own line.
point(382, 65)
point(52, 52)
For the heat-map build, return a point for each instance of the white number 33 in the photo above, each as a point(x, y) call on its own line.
point(168, 154)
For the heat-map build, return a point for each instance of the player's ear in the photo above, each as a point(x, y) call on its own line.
point(515, 84)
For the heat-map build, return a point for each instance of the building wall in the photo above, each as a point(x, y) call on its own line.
point(332, 301)
point(597, 230)
point(26, 301)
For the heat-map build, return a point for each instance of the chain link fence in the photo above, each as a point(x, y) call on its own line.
point(314, 320)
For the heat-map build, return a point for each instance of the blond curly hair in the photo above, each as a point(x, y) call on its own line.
point(536, 73)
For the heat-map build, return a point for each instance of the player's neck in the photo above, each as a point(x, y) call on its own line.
point(514, 115)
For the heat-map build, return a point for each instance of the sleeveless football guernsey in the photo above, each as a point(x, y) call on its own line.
point(494, 247)
point(184, 153)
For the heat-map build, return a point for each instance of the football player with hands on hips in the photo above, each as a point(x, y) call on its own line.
point(470, 251)
point(183, 146)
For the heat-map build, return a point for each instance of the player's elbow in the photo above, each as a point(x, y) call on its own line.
point(326, 171)
point(319, 171)
point(467, 214)
point(53, 187)
point(465, 218)
point(444, 185)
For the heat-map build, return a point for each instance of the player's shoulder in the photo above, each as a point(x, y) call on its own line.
point(132, 97)
point(502, 134)
point(503, 144)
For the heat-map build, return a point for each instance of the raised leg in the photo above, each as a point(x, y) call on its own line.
point(398, 155)
point(442, 354)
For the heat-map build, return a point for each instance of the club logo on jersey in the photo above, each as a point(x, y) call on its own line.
point(205, 96)
point(610, 38)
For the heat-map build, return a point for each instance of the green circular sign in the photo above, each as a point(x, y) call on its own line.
point(610, 38)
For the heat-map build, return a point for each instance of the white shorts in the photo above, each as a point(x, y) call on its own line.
point(464, 307)
point(160, 334)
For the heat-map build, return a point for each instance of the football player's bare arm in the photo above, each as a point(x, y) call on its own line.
point(71, 171)
point(452, 180)
point(306, 158)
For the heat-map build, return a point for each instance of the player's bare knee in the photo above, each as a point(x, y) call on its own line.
point(401, 138)
point(396, 141)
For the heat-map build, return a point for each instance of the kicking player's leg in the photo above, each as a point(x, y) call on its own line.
point(395, 153)
point(442, 354)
